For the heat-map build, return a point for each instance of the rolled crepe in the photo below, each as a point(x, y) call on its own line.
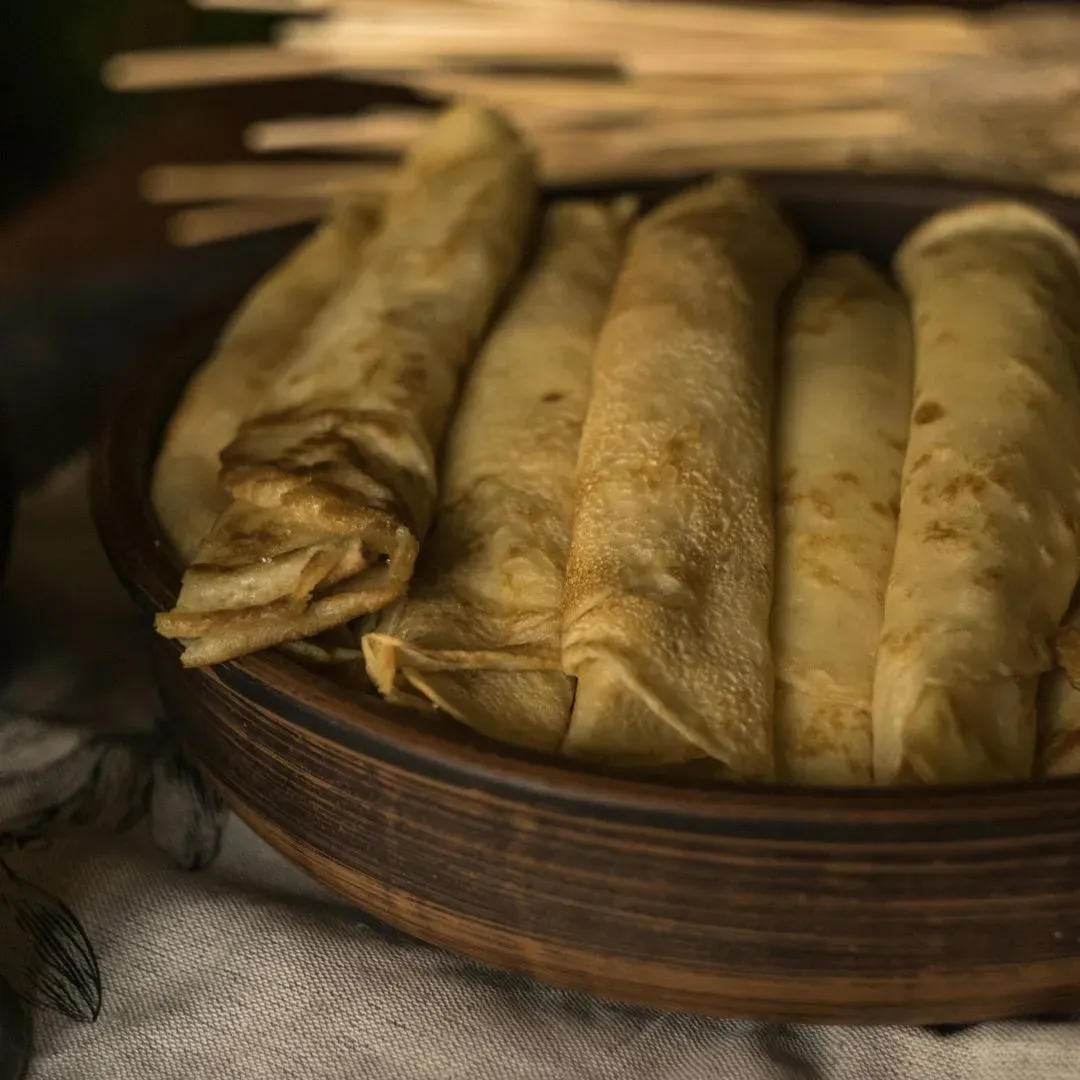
point(986, 555)
point(334, 484)
point(669, 583)
point(260, 337)
point(478, 634)
point(1059, 726)
point(842, 421)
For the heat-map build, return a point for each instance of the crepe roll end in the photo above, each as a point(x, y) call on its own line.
point(764, 239)
point(612, 725)
point(966, 733)
point(851, 274)
point(1059, 720)
point(526, 708)
point(380, 658)
point(1004, 220)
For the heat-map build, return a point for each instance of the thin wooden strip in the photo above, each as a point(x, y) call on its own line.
point(825, 124)
point(707, 59)
point(389, 45)
point(207, 224)
point(241, 180)
point(175, 68)
point(569, 165)
point(553, 91)
point(386, 131)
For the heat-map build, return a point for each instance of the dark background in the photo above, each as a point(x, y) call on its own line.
point(56, 113)
point(88, 281)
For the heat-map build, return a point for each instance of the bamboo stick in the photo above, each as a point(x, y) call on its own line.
point(258, 180)
point(380, 132)
point(399, 45)
point(208, 224)
point(176, 68)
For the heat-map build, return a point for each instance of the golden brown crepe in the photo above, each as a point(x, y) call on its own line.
point(987, 553)
point(478, 634)
point(841, 428)
point(334, 484)
point(259, 338)
point(669, 583)
point(1059, 726)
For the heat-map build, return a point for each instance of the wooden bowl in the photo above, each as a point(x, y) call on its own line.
point(913, 906)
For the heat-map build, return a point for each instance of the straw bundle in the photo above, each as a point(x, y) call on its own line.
point(636, 88)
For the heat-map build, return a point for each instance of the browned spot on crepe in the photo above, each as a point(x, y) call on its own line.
point(938, 532)
point(812, 542)
point(989, 578)
point(965, 484)
point(819, 501)
point(899, 642)
point(819, 572)
point(927, 413)
point(921, 462)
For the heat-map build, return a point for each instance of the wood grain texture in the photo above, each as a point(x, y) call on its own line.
point(860, 906)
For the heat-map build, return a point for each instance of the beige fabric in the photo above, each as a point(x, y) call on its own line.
point(670, 576)
point(478, 634)
point(248, 970)
point(987, 554)
point(259, 338)
point(841, 428)
point(334, 484)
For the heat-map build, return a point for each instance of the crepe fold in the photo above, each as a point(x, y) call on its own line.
point(842, 421)
point(333, 485)
point(669, 583)
point(986, 556)
point(1059, 726)
point(478, 634)
point(260, 337)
